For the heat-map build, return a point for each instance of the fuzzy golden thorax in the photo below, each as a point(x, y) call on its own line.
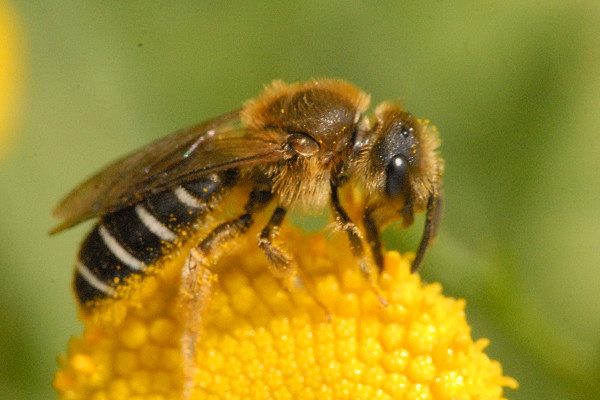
point(323, 113)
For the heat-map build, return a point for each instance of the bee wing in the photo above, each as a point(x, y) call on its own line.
point(181, 157)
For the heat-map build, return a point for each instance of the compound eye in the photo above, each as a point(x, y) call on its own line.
point(396, 173)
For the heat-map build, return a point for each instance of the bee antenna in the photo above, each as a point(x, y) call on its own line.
point(432, 218)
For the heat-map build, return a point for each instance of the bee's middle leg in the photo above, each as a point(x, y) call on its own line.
point(280, 261)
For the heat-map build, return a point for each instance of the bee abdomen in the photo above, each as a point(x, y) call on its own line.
point(127, 241)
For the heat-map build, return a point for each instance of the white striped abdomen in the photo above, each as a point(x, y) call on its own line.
point(128, 240)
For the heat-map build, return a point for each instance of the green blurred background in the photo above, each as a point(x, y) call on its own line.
point(514, 89)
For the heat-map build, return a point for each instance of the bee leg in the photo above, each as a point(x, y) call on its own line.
point(345, 223)
point(279, 260)
point(197, 279)
point(259, 198)
point(195, 290)
point(373, 237)
point(281, 264)
point(354, 236)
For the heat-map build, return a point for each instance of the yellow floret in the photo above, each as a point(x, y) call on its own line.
point(260, 340)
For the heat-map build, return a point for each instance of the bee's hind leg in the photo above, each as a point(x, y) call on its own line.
point(197, 280)
point(194, 295)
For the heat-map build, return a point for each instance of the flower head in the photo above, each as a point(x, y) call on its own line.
point(260, 340)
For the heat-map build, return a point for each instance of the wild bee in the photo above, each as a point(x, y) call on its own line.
point(294, 145)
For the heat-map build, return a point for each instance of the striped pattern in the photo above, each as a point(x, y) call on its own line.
point(118, 251)
point(126, 241)
point(154, 225)
point(186, 198)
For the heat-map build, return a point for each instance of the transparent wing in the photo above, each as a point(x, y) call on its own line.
point(181, 157)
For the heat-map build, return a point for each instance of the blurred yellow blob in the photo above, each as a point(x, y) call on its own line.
point(262, 341)
point(11, 59)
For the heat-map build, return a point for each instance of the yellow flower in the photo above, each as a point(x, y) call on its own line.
point(260, 341)
point(10, 73)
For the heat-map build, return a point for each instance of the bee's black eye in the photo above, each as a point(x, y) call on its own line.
point(396, 176)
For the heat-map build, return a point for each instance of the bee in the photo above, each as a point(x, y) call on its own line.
point(294, 145)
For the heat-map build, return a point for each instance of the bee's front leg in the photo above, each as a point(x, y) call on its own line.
point(373, 237)
point(344, 223)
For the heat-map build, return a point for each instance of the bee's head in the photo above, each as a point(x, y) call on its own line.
point(399, 163)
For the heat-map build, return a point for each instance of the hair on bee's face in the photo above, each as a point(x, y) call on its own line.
point(400, 165)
